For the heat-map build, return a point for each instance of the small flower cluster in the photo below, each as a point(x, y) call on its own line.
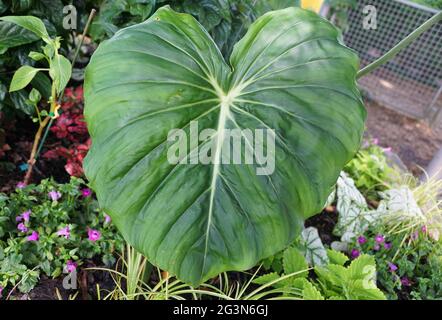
point(379, 246)
point(60, 226)
point(378, 243)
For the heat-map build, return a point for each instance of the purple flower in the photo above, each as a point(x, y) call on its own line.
point(362, 240)
point(392, 266)
point(21, 227)
point(355, 253)
point(406, 282)
point(415, 235)
point(107, 219)
point(86, 192)
point(24, 216)
point(387, 245)
point(93, 235)
point(34, 236)
point(71, 266)
point(20, 185)
point(65, 232)
point(379, 238)
point(424, 229)
point(376, 247)
point(54, 195)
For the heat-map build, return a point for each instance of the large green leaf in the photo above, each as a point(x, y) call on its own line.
point(12, 35)
point(290, 74)
point(30, 23)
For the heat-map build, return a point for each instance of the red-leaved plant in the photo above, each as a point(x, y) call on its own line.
point(71, 129)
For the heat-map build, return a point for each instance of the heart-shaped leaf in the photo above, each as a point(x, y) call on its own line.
point(289, 75)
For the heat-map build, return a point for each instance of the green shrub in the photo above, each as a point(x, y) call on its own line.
point(371, 171)
point(338, 280)
point(51, 228)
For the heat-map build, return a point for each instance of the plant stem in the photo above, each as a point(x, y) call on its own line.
point(31, 160)
point(86, 28)
point(401, 45)
point(37, 137)
point(37, 145)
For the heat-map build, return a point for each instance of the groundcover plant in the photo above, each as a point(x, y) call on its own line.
point(289, 75)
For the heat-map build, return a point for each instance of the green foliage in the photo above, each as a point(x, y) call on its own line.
point(17, 40)
point(409, 265)
point(59, 67)
point(335, 281)
point(116, 14)
point(226, 20)
point(23, 260)
point(437, 4)
point(22, 77)
point(371, 171)
point(338, 13)
point(293, 52)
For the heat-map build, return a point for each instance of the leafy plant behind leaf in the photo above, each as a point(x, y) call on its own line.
point(290, 74)
point(226, 20)
point(314, 250)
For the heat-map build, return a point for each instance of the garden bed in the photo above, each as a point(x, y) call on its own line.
point(336, 219)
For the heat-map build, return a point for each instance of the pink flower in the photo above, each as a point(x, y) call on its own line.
point(424, 229)
point(21, 226)
point(71, 266)
point(379, 238)
point(406, 282)
point(54, 195)
point(93, 235)
point(65, 232)
point(415, 235)
point(107, 219)
point(34, 236)
point(86, 192)
point(375, 141)
point(362, 240)
point(376, 247)
point(387, 150)
point(1, 291)
point(355, 253)
point(24, 216)
point(392, 267)
point(20, 185)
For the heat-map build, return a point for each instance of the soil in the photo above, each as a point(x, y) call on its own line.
point(88, 282)
point(413, 140)
point(19, 135)
point(325, 223)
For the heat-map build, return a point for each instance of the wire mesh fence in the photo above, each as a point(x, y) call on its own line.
point(411, 83)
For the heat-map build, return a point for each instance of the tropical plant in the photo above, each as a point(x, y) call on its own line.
point(290, 73)
point(16, 42)
point(226, 21)
point(59, 69)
